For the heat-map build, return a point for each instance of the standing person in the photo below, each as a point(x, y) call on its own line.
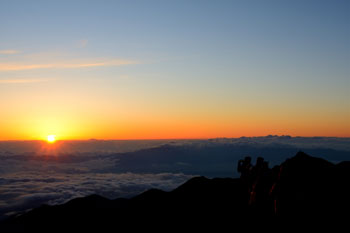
point(245, 167)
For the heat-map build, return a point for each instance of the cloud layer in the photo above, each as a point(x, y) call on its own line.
point(29, 178)
point(22, 191)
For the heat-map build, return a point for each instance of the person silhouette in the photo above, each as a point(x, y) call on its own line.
point(244, 167)
point(261, 182)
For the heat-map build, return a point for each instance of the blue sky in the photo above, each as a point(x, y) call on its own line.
point(180, 60)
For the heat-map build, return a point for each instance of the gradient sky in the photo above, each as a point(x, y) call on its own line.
point(174, 69)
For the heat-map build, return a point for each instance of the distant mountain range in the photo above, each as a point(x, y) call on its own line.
point(214, 160)
point(301, 190)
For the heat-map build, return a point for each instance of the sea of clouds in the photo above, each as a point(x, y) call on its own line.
point(23, 191)
point(31, 174)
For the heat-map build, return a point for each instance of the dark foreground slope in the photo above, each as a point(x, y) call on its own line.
point(301, 190)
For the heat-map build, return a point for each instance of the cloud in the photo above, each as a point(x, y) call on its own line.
point(82, 43)
point(30, 180)
point(124, 76)
point(23, 81)
point(23, 191)
point(64, 65)
point(9, 52)
point(57, 60)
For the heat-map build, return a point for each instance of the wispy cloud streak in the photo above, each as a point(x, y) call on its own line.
point(23, 81)
point(82, 43)
point(72, 65)
point(9, 52)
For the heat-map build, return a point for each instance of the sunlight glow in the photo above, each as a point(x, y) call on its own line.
point(51, 138)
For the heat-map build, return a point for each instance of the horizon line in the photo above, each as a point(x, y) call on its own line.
point(153, 139)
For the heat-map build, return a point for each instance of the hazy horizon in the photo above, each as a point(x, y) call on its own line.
point(121, 146)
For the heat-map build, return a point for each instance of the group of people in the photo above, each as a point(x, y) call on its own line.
point(261, 182)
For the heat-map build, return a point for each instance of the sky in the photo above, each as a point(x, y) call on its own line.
point(174, 69)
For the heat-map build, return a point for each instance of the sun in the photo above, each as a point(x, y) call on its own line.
point(51, 138)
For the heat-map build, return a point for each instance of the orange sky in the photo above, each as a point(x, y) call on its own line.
point(35, 110)
point(135, 124)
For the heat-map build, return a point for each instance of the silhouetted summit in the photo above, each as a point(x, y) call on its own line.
point(302, 190)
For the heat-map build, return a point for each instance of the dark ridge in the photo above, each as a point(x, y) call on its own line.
point(302, 191)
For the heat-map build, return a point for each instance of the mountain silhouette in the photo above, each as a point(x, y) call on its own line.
point(302, 190)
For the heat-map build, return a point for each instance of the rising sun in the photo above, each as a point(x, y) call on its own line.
point(51, 138)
